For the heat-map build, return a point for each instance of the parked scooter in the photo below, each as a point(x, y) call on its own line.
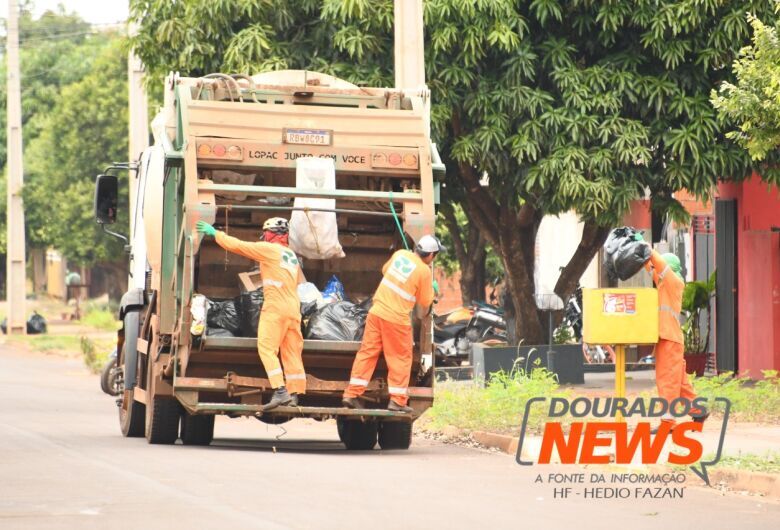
point(110, 378)
point(454, 340)
point(572, 317)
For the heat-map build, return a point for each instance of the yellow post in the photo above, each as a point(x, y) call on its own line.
point(620, 374)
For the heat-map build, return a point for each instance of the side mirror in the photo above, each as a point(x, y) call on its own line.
point(106, 197)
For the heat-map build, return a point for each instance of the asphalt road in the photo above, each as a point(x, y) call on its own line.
point(64, 464)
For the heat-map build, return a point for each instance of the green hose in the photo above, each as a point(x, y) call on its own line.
point(397, 221)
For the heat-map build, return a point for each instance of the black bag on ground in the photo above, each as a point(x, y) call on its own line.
point(338, 321)
point(36, 324)
point(624, 256)
point(224, 315)
point(251, 304)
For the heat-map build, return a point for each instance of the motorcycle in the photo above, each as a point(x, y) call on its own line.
point(593, 354)
point(110, 376)
point(454, 337)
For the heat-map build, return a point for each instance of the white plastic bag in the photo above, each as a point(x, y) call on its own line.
point(315, 235)
point(198, 310)
point(308, 292)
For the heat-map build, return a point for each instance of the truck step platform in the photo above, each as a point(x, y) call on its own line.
point(309, 412)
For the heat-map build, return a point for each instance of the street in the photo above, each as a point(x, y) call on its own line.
point(64, 464)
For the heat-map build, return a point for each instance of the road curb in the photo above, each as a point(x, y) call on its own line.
point(766, 484)
point(502, 442)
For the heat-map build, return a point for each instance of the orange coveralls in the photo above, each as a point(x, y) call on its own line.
point(671, 378)
point(279, 328)
point(407, 281)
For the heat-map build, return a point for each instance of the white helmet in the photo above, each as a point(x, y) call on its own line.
point(277, 225)
point(429, 245)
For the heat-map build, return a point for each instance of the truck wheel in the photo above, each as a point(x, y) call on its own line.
point(197, 429)
point(395, 435)
point(357, 435)
point(132, 415)
point(162, 413)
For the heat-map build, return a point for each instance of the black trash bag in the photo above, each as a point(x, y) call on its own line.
point(224, 315)
point(251, 304)
point(623, 256)
point(4, 326)
point(343, 321)
point(308, 309)
point(36, 324)
point(218, 332)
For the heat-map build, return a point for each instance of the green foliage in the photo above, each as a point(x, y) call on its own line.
point(101, 318)
point(750, 401)
point(752, 104)
point(85, 131)
point(766, 463)
point(95, 352)
point(696, 303)
point(499, 406)
point(448, 261)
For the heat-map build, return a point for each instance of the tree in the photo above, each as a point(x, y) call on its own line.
point(56, 50)
point(753, 102)
point(85, 131)
point(579, 105)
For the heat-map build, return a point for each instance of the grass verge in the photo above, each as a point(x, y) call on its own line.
point(767, 463)
point(751, 400)
point(497, 407)
point(95, 352)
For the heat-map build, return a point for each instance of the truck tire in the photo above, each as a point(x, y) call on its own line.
point(197, 429)
point(162, 414)
point(357, 435)
point(132, 415)
point(395, 434)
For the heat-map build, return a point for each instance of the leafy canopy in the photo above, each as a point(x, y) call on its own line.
point(752, 103)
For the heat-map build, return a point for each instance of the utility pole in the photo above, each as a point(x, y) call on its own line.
point(16, 281)
point(409, 51)
point(138, 119)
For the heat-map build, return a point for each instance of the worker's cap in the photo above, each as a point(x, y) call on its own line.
point(278, 225)
point(430, 245)
point(674, 262)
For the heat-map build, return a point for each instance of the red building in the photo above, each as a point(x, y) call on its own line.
point(747, 218)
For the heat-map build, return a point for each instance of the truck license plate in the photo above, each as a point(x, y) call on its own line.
point(307, 136)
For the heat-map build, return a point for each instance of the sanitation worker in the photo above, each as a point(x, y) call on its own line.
point(279, 328)
point(407, 282)
point(671, 378)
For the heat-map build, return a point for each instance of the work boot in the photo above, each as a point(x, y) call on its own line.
point(395, 407)
point(700, 414)
point(293, 400)
point(280, 397)
point(351, 403)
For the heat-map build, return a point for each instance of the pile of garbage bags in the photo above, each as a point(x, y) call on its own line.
point(624, 256)
point(36, 324)
point(326, 315)
point(234, 317)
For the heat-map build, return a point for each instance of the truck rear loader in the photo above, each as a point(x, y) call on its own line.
point(225, 150)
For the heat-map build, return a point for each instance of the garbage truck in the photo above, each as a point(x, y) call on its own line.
point(225, 151)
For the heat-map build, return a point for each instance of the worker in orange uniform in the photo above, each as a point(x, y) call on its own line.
point(279, 328)
point(407, 282)
point(671, 379)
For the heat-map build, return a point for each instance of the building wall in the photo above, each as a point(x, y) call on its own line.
point(758, 275)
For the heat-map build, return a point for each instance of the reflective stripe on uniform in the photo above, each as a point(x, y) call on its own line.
point(399, 390)
point(273, 283)
point(277, 371)
point(398, 290)
point(677, 316)
point(663, 274)
point(358, 382)
point(301, 377)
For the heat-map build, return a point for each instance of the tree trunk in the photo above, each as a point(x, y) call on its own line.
point(471, 255)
